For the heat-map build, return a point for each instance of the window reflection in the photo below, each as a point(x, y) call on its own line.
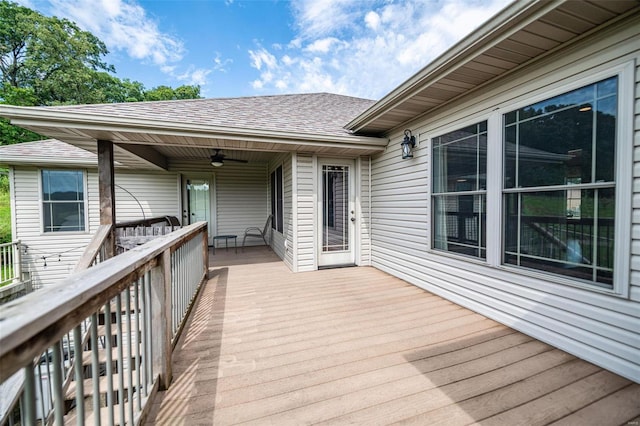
point(564, 149)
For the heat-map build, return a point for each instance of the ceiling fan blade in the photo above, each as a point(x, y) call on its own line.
point(236, 160)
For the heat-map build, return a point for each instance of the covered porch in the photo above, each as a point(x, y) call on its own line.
point(264, 345)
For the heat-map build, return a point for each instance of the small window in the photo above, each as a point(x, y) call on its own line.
point(559, 184)
point(459, 191)
point(276, 199)
point(63, 201)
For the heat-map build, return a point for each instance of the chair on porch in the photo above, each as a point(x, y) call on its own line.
point(255, 232)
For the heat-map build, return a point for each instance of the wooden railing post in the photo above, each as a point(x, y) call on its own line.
point(161, 319)
point(205, 252)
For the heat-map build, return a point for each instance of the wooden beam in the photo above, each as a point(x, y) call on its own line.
point(106, 185)
point(146, 153)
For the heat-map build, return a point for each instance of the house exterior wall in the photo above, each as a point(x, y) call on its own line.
point(281, 242)
point(305, 199)
point(241, 199)
point(597, 326)
point(146, 195)
point(363, 202)
point(50, 257)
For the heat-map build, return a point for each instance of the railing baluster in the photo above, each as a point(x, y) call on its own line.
point(58, 401)
point(149, 327)
point(95, 371)
point(120, 363)
point(29, 396)
point(130, 361)
point(109, 360)
point(79, 375)
point(139, 336)
point(145, 335)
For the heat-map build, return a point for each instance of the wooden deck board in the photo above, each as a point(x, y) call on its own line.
point(355, 345)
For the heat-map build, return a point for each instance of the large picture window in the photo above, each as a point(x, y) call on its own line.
point(63, 200)
point(276, 199)
point(559, 183)
point(459, 191)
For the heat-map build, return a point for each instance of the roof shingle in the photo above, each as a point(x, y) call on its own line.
point(311, 113)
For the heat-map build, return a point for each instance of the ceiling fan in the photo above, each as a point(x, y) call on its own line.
point(218, 159)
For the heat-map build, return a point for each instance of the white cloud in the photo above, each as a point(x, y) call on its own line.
point(220, 64)
point(364, 48)
point(372, 19)
point(123, 25)
point(325, 45)
point(194, 76)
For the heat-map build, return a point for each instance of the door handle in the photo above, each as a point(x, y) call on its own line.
point(353, 219)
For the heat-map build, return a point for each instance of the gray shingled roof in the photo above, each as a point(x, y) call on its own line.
point(48, 148)
point(312, 113)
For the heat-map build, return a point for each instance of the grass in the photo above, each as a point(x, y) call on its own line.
point(6, 271)
point(5, 210)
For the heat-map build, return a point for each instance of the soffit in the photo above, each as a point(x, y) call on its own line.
point(518, 35)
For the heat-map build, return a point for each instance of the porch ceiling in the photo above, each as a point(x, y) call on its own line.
point(523, 32)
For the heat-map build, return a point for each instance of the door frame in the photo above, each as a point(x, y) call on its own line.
point(211, 222)
point(338, 259)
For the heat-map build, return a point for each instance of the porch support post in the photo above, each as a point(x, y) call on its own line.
point(107, 193)
point(162, 319)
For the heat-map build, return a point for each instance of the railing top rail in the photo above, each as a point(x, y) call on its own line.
point(32, 323)
point(12, 243)
point(91, 251)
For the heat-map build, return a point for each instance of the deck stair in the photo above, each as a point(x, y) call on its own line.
point(118, 369)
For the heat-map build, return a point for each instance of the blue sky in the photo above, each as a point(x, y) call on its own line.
point(232, 48)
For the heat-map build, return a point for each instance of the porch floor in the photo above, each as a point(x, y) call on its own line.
point(266, 346)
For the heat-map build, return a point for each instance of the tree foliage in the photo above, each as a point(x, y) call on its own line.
point(51, 61)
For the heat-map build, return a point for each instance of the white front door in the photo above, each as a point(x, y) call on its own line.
point(336, 208)
point(196, 205)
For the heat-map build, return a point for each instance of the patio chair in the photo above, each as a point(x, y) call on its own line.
point(254, 231)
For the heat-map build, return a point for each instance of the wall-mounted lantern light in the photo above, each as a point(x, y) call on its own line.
point(408, 144)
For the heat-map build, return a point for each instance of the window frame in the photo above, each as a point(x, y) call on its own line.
point(42, 201)
point(625, 72)
point(276, 189)
point(444, 194)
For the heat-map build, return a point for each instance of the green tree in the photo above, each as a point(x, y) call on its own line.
point(51, 61)
point(166, 93)
point(51, 56)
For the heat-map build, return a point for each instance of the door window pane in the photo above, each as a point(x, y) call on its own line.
point(335, 208)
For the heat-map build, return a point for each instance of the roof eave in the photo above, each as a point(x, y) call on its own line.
point(31, 117)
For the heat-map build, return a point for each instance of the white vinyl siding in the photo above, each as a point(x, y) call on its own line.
point(594, 325)
point(283, 249)
point(305, 199)
point(634, 291)
point(146, 195)
point(48, 257)
point(363, 211)
point(242, 199)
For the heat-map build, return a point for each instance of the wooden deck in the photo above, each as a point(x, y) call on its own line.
point(265, 346)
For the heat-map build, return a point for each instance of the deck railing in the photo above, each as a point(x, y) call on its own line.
point(96, 347)
point(12, 281)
